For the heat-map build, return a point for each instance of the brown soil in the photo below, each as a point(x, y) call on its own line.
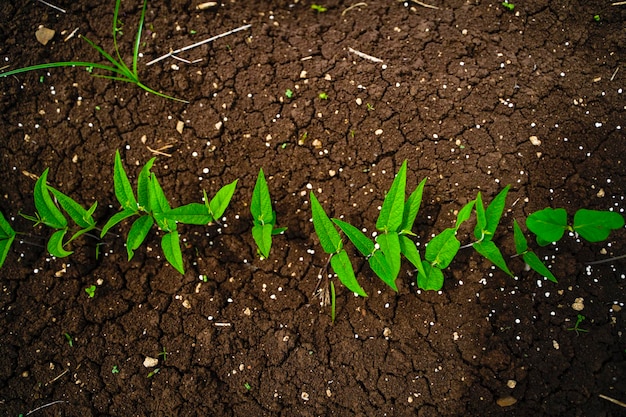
point(459, 93)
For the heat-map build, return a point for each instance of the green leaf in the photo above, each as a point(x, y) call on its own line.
point(170, 243)
point(442, 249)
point(262, 235)
point(261, 204)
point(409, 250)
point(143, 186)
point(548, 225)
point(521, 244)
point(80, 216)
point(278, 231)
point(156, 196)
point(595, 225)
point(55, 244)
point(137, 234)
point(7, 235)
point(481, 218)
point(49, 213)
point(343, 268)
point(192, 213)
point(535, 263)
point(464, 214)
point(431, 279)
point(220, 201)
point(411, 207)
point(123, 189)
point(380, 265)
point(390, 246)
point(358, 238)
point(391, 213)
point(494, 211)
point(116, 218)
point(489, 250)
point(329, 237)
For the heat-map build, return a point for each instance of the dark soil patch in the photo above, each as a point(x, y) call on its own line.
point(460, 92)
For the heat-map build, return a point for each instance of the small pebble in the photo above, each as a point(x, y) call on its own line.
point(150, 362)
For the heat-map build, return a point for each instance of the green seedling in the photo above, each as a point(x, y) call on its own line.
point(486, 224)
point(152, 207)
point(323, 95)
point(263, 217)
point(153, 372)
point(247, 386)
point(318, 8)
point(531, 259)
point(49, 214)
point(91, 291)
point(7, 236)
point(596, 17)
point(163, 354)
point(69, 338)
point(121, 71)
point(302, 139)
point(115, 370)
point(549, 224)
point(288, 93)
point(509, 6)
point(579, 319)
point(369, 107)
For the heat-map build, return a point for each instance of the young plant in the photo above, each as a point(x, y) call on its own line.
point(264, 217)
point(152, 207)
point(91, 291)
point(121, 71)
point(7, 236)
point(579, 319)
point(49, 214)
point(550, 224)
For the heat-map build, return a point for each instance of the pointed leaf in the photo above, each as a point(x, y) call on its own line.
point(431, 279)
point(143, 186)
point(170, 243)
point(158, 201)
point(391, 213)
point(55, 244)
point(358, 238)
point(494, 211)
point(220, 201)
point(548, 224)
point(137, 234)
point(442, 249)
point(343, 268)
point(278, 231)
point(262, 235)
point(464, 214)
point(390, 246)
point(80, 216)
point(261, 204)
point(116, 218)
point(7, 235)
point(409, 250)
point(123, 189)
point(595, 225)
point(481, 218)
point(521, 244)
point(535, 263)
point(489, 250)
point(329, 237)
point(49, 213)
point(192, 213)
point(380, 265)
point(411, 207)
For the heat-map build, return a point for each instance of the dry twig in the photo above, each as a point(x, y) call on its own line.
point(613, 400)
point(364, 56)
point(52, 5)
point(429, 6)
point(355, 5)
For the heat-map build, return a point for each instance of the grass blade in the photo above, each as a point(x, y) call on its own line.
point(138, 37)
point(326, 232)
point(391, 213)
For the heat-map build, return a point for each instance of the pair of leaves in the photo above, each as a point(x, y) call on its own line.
point(49, 213)
point(263, 217)
point(152, 206)
point(550, 224)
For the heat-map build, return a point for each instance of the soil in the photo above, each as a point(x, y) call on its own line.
point(473, 95)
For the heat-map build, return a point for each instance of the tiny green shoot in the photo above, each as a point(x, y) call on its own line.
point(91, 291)
point(247, 386)
point(323, 95)
point(579, 319)
point(288, 93)
point(69, 338)
point(509, 6)
point(192, 32)
point(596, 17)
point(115, 370)
point(318, 8)
point(263, 217)
point(369, 107)
point(7, 236)
point(120, 70)
point(153, 372)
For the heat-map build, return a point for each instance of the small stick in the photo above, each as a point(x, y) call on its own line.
point(71, 35)
point(160, 150)
point(354, 6)
point(606, 260)
point(616, 69)
point(222, 324)
point(54, 7)
point(619, 3)
point(44, 406)
point(365, 56)
point(429, 6)
point(186, 48)
point(186, 61)
point(604, 397)
point(58, 377)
